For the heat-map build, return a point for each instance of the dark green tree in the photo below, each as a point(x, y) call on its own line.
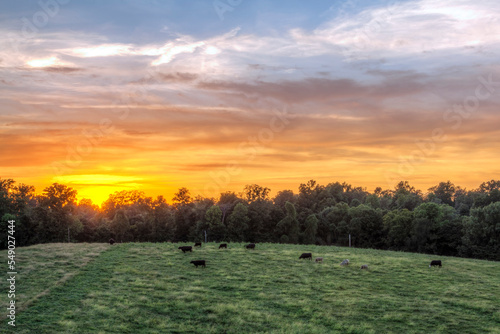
point(238, 223)
point(311, 228)
point(289, 225)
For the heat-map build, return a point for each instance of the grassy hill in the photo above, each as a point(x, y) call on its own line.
point(152, 288)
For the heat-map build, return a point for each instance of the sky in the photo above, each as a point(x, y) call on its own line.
point(215, 95)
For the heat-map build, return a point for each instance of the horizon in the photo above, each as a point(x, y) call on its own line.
point(212, 96)
point(272, 193)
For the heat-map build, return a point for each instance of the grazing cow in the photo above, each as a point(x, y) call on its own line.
point(306, 256)
point(198, 263)
point(185, 249)
point(197, 244)
point(345, 262)
point(319, 259)
point(364, 266)
point(111, 241)
point(250, 246)
point(223, 246)
point(435, 263)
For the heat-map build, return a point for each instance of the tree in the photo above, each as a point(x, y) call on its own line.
point(311, 228)
point(366, 226)
point(6, 186)
point(333, 225)
point(489, 186)
point(226, 203)
point(426, 220)
point(181, 197)
point(254, 192)
point(238, 223)
point(450, 231)
point(482, 233)
point(289, 225)
point(121, 199)
point(444, 192)
point(163, 228)
point(259, 228)
point(312, 198)
point(284, 196)
point(86, 212)
point(60, 201)
point(406, 196)
point(397, 228)
point(120, 225)
point(213, 219)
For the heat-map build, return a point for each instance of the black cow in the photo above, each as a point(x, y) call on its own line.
point(186, 249)
point(250, 246)
point(198, 263)
point(223, 246)
point(197, 244)
point(306, 256)
point(435, 263)
point(111, 241)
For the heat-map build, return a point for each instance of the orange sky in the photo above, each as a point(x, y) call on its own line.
point(213, 106)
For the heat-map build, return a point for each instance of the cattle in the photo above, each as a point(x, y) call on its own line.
point(364, 266)
point(345, 262)
point(435, 263)
point(111, 241)
point(198, 263)
point(250, 246)
point(185, 249)
point(223, 246)
point(306, 256)
point(197, 244)
point(319, 259)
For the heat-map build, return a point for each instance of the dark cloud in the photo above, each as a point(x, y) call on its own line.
point(167, 77)
point(61, 69)
point(321, 89)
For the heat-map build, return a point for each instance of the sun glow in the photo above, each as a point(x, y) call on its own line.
point(42, 62)
point(98, 187)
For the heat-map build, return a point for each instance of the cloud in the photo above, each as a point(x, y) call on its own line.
point(167, 77)
point(62, 69)
point(321, 89)
point(407, 28)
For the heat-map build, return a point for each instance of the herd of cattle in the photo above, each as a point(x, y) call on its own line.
point(202, 263)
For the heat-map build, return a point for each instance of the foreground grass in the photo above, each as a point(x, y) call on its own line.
point(43, 267)
point(152, 288)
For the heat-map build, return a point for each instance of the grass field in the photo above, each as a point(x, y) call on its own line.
point(152, 288)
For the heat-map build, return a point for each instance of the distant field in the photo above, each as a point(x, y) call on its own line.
point(152, 288)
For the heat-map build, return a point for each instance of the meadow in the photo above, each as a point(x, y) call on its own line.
point(152, 288)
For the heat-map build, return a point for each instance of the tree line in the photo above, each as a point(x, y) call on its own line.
point(447, 220)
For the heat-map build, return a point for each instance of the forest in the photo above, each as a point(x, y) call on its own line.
point(447, 220)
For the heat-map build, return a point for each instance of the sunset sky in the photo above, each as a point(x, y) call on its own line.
point(213, 95)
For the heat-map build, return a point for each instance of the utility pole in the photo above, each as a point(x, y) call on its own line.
point(205, 236)
point(349, 239)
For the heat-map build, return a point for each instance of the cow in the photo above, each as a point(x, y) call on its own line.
point(364, 266)
point(223, 246)
point(435, 263)
point(185, 249)
point(306, 256)
point(111, 241)
point(198, 263)
point(197, 244)
point(250, 246)
point(319, 259)
point(345, 262)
